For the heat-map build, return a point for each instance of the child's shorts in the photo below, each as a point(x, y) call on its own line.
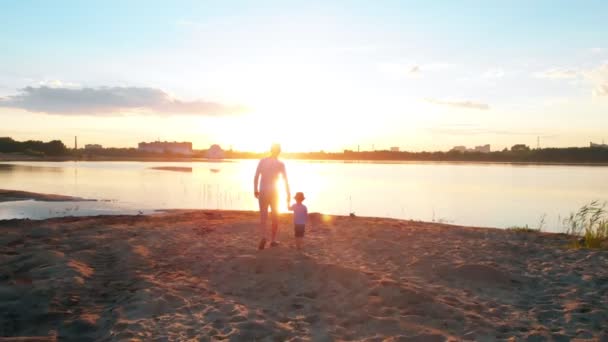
point(299, 230)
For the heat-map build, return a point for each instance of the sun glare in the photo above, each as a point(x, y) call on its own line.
point(295, 104)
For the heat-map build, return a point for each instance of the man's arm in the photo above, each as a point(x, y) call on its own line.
point(256, 180)
point(284, 172)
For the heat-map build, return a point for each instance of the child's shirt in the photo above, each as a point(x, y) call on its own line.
point(300, 213)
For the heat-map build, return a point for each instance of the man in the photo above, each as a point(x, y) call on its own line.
point(266, 191)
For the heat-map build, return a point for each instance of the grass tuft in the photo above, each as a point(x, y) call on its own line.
point(523, 229)
point(588, 226)
point(527, 229)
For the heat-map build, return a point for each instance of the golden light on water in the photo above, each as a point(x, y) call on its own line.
point(305, 177)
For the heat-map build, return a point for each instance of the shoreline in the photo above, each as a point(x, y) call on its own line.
point(17, 195)
point(196, 274)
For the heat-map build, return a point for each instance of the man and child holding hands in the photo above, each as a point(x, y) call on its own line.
point(265, 190)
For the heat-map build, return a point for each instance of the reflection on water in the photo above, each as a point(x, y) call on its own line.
point(498, 195)
point(172, 168)
point(11, 168)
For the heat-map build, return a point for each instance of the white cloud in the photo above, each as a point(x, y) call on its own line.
point(556, 74)
point(460, 103)
point(599, 78)
point(494, 73)
point(601, 90)
point(110, 101)
point(437, 66)
point(58, 84)
point(409, 70)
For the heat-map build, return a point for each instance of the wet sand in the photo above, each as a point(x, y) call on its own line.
point(196, 275)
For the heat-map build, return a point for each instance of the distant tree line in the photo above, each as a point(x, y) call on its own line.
point(131, 152)
point(517, 154)
point(33, 147)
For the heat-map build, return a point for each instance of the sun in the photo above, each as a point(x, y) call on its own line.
point(298, 105)
point(295, 130)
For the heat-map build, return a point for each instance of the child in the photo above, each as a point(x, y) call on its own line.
point(300, 214)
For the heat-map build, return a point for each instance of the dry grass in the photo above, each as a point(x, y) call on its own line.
point(588, 226)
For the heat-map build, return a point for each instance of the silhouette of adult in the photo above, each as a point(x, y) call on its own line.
point(266, 190)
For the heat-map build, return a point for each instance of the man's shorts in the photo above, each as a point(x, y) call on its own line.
point(269, 199)
point(299, 230)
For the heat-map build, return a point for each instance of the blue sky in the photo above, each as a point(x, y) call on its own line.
point(421, 75)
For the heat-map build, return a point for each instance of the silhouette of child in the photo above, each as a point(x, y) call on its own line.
point(300, 214)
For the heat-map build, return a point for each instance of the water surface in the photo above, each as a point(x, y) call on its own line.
point(496, 195)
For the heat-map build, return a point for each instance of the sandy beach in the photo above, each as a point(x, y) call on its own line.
point(196, 275)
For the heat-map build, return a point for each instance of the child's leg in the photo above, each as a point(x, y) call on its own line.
point(299, 234)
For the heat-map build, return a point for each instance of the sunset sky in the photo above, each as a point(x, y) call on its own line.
point(331, 75)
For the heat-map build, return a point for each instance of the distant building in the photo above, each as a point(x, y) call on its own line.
point(93, 147)
point(166, 147)
point(602, 145)
point(479, 149)
point(215, 152)
point(459, 148)
point(395, 149)
point(483, 148)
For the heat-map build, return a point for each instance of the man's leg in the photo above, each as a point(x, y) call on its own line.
point(263, 231)
point(274, 207)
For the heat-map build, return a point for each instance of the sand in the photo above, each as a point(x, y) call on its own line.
point(196, 276)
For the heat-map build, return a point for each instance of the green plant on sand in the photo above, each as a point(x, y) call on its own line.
point(589, 226)
point(522, 229)
point(527, 229)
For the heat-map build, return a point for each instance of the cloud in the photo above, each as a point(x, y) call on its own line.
point(599, 78)
point(558, 74)
point(601, 90)
point(597, 50)
point(461, 104)
point(110, 101)
point(494, 73)
point(412, 70)
point(409, 70)
point(52, 83)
